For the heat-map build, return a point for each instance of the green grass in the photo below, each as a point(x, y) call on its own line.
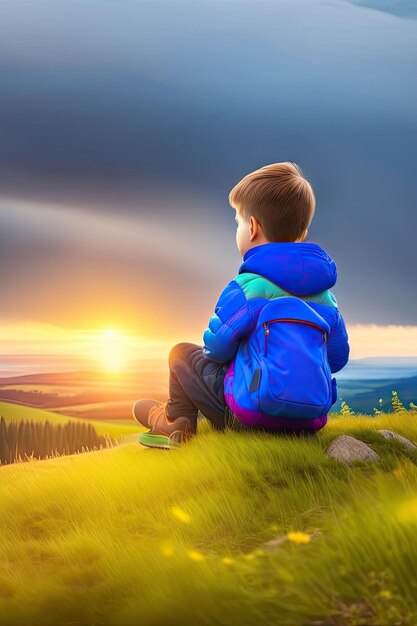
point(133, 535)
point(114, 428)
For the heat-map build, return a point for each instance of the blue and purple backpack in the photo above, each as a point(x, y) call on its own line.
point(281, 368)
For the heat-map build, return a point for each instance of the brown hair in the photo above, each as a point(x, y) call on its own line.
point(279, 196)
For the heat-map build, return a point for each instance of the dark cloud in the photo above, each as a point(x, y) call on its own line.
point(154, 111)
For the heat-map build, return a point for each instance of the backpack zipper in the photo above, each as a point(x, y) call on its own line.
point(289, 319)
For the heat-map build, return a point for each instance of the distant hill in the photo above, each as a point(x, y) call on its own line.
point(363, 381)
point(89, 394)
point(400, 8)
point(362, 395)
point(379, 367)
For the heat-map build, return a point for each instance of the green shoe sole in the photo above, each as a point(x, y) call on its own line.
point(157, 441)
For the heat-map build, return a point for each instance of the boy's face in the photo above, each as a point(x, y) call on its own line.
point(242, 235)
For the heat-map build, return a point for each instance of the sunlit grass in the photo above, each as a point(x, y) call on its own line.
point(12, 411)
point(142, 536)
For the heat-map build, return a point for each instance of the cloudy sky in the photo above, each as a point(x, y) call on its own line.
point(124, 125)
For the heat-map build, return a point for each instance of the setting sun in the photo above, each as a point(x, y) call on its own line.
point(113, 349)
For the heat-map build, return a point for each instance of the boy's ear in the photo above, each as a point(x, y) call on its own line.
point(251, 225)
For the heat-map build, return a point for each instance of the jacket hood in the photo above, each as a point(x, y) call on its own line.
point(300, 268)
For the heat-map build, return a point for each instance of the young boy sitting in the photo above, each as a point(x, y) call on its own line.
point(274, 208)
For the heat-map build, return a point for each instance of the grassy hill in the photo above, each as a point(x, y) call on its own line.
point(133, 535)
point(118, 428)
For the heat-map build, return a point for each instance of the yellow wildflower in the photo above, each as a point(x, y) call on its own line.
point(298, 537)
point(227, 560)
point(385, 593)
point(195, 556)
point(180, 514)
point(167, 550)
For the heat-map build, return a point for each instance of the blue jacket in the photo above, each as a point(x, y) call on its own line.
point(273, 270)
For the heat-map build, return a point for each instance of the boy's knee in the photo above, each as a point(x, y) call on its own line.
point(177, 352)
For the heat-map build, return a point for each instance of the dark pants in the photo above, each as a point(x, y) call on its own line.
point(195, 384)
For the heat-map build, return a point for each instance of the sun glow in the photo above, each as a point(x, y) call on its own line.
point(113, 349)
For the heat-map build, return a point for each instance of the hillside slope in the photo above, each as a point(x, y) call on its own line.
point(11, 411)
point(134, 535)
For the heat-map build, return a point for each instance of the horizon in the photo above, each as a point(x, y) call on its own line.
point(117, 159)
point(26, 365)
point(116, 349)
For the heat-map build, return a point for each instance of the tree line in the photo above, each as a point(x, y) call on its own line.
point(26, 439)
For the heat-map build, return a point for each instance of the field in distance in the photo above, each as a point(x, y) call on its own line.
point(90, 395)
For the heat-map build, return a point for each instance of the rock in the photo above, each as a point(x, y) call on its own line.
point(390, 434)
point(347, 449)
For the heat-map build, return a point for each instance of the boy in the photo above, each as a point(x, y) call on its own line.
point(274, 208)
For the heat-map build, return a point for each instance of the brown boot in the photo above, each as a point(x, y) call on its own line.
point(166, 433)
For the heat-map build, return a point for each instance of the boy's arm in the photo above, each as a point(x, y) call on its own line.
point(231, 321)
point(337, 345)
